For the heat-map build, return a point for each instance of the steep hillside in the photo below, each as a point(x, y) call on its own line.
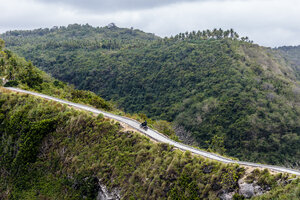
point(221, 92)
point(49, 151)
point(292, 54)
point(17, 72)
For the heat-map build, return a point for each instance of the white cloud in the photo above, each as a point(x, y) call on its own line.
point(267, 22)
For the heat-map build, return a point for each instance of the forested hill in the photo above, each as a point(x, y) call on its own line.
point(221, 92)
point(77, 36)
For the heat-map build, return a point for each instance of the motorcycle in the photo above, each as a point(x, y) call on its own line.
point(144, 126)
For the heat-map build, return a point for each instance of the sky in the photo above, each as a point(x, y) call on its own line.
point(269, 23)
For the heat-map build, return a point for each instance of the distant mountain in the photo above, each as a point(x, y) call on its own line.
point(221, 92)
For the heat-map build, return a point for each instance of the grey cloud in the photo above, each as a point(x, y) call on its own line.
point(106, 6)
point(267, 22)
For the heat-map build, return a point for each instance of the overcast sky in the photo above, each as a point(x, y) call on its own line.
point(266, 22)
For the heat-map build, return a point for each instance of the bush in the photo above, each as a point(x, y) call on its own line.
point(11, 84)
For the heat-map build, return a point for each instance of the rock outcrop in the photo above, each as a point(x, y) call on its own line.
point(249, 190)
point(104, 194)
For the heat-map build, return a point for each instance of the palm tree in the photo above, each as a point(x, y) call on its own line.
point(231, 33)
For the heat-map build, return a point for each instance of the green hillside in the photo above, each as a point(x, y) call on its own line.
point(292, 54)
point(50, 151)
point(221, 92)
point(17, 72)
point(77, 37)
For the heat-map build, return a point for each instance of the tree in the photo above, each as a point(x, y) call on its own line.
point(231, 33)
point(217, 144)
point(2, 44)
point(2, 62)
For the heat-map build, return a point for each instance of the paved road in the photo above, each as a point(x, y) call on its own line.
point(156, 135)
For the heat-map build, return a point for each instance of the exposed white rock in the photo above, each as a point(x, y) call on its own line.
point(227, 196)
point(104, 194)
point(249, 190)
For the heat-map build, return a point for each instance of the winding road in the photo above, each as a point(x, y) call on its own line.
point(158, 136)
